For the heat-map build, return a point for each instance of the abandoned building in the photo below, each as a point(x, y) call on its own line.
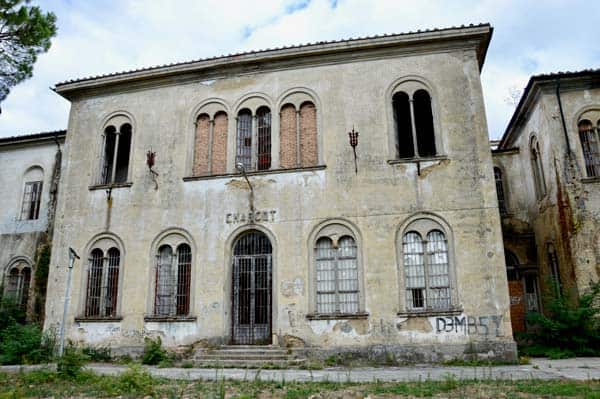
point(547, 171)
point(331, 197)
point(30, 175)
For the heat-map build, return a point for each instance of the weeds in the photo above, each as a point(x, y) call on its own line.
point(154, 352)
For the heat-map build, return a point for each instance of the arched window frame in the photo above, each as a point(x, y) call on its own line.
point(411, 85)
point(115, 157)
point(216, 162)
point(17, 281)
point(537, 168)
point(102, 301)
point(337, 231)
point(501, 192)
point(424, 225)
point(178, 293)
point(589, 140)
point(31, 203)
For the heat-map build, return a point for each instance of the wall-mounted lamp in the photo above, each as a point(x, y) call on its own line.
point(242, 169)
point(353, 137)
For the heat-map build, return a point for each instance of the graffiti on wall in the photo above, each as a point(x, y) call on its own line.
point(482, 325)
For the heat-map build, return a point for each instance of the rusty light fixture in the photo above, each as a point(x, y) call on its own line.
point(353, 137)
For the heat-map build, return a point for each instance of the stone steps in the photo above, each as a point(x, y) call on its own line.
point(245, 356)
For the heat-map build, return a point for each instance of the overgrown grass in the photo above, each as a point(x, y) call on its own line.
point(137, 382)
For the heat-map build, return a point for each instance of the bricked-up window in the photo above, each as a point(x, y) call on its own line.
point(308, 134)
point(298, 136)
point(202, 145)
point(337, 276)
point(263, 119)
point(17, 282)
point(210, 144)
point(589, 137)
point(32, 199)
point(172, 281)
point(102, 283)
point(500, 190)
point(115, 158)
point(413, 118)
point(426, 271)
point(288, 137)
point(537, 169)
point(244, 138)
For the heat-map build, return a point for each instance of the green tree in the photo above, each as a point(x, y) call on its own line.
point(25, 32)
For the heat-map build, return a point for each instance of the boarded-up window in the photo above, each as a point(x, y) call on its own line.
point(308, 134)
point(288, 142)
point(102, 283)
point(590, 144)
point(172, 281)
point(201, 161)
point(337, 276)
point(426, 271)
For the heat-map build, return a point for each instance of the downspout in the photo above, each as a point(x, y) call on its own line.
point(562, 117)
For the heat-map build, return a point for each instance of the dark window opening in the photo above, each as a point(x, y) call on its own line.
point(110, 138)
point(32, 198)
point(103, 283)
point(263, 115)
point(512, 266)
point(404, 146)
point(424, 124)
point(116, 145)
point(184, 272)
point(500, 190)
point(122, 166)
point(590, 144)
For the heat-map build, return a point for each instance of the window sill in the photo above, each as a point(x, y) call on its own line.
point(169, 319)
point(595, 179)
point(97, 319)
point(337, 316)
point(256, 173)
point(415, 160)
point(109, 186)
point(430, 313)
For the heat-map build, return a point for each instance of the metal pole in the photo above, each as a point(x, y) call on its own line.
point(72, 256)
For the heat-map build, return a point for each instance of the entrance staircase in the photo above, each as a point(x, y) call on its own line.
point(246, 356)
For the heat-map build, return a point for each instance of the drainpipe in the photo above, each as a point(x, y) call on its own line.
point(562, 117)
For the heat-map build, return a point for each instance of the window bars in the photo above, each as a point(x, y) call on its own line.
point(590, 144)
point(500, 191)
point(32, 199)
point(244, 139)
point(254, 142)
point(103, 283)
point(17, 285)
point(173, 281)
point(263, 116)
point(426, 269)
point(337, 276)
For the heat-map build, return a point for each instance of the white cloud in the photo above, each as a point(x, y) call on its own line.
point(530, 37)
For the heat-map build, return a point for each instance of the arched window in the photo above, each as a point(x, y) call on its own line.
point(263, 152)
point(512, 265)
point(590, 145)
point(173, 280)
point(426, 266)
point(116, 151)
point(210, 144)
point(244, 139)
point(32, 193)
point(500, 190)
point(289, 151)
point(337, 274)
point(413, 117)
point(102, 283)
point(537, 168)
point(308, 134)
point(17, 282)
point(298, 143)
point(202, 145)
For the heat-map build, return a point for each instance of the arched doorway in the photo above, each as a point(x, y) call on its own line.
point(252, 289)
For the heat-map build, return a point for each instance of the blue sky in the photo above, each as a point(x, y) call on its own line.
point(95, 37)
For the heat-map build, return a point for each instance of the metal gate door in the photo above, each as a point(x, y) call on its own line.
point(252, 293)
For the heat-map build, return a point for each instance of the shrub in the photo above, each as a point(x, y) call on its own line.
point(71, 362)
point(570, 329)
point(25, 344)
point(153, 351)
point(136, 380)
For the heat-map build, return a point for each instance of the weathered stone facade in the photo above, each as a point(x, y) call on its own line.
point(335, 243)
point(27, 217)
point(552, 194)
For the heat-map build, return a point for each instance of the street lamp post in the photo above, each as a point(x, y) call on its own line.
point(72, 256)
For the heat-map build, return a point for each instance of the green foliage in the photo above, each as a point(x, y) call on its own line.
point(97, 354)
point(71, 362)
point(10, 311)
point(136, 380)
point(25, 32)
point(570, 329)
point(154, 352)
point(42, 266)
point(21, 344)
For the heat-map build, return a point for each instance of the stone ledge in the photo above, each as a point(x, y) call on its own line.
point(109, 186)
point(337, 316)
point(170, 319)
point(256, 173)
point(98, 319)
point(430, 313)
point(415, 160)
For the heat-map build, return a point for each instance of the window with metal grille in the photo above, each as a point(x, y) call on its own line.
point(244, 139)
point(17, 282)
point(413, 117)
point(500, 190)
point(337, 276)
point(589, 137)
point(172, 281)
point(32, 199)
point(253, 143)
point(426, 270)
point(538, 169)
point(263, 121)
point(102, 283)
point(115, 157)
